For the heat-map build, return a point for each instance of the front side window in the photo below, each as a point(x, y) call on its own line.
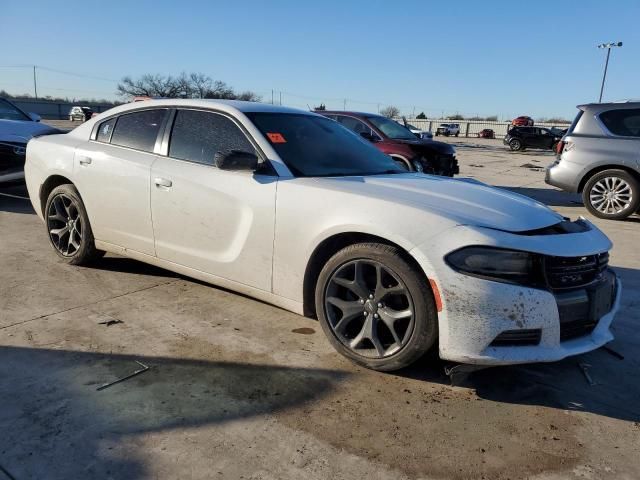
point(314, 146)
point(353, 124)
point(10, 112)
point(625, 123)
point(197, 136)
point(391, 129)
point(138, 130)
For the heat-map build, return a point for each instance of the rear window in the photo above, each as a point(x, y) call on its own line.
point(138, 130)
point(625, 123)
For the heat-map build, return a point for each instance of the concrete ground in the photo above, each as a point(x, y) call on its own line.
point(240, 389)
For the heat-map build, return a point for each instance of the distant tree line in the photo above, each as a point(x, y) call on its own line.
point(193, 85)
point(49, 98)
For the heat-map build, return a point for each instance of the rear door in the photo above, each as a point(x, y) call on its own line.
point(216, 221)
point(112, 173)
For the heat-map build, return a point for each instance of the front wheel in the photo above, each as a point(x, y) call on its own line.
point(375, 308)
point(68, 226)
point(515, 145)
point(612, 194)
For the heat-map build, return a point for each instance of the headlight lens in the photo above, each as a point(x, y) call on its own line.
point(510, 266)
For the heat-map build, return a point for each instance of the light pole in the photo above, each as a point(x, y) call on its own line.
point(608, 46)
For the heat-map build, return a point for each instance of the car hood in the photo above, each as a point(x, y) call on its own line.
point(465, 201)
point(23, 131)
point(431, 145)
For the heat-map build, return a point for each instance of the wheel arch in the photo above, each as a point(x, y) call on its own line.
point(47, 187)
point(404, 159)
point(330, 246)
point(601, 168)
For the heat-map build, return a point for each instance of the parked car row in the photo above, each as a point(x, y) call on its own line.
point(318, 219)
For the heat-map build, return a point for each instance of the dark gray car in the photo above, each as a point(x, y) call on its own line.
point(600, 158)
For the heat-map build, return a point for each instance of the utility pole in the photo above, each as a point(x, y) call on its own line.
point(272, 96)
point(35, 83)
point(608, 46)
point(344, 104)
point(280, 98)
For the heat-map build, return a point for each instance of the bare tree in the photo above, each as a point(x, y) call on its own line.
point(390, 111)
point(193, 85)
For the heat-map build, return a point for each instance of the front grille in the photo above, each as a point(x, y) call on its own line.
point(517, 338)
point(572, 272)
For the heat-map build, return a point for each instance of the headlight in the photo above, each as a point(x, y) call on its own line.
point(510, 266)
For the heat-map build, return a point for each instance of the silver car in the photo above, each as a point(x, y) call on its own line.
point(600, 158)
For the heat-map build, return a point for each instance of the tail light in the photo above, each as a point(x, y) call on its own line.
point(560, 147)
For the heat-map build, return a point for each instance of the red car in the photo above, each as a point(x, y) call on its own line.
point(409, 151)
point(522, 121)
point(486, 133)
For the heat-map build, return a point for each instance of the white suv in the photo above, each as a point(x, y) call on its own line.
point(448, 129)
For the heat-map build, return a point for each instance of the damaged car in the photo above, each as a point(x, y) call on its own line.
point(16, 129)
point(400, 143)
point(291, 208)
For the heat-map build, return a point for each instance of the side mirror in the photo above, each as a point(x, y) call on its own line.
point(236, 160)
point(368, 136)
point(35, 117)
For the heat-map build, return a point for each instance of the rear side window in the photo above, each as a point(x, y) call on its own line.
point(138, 130)
point(625, 123)
point(197, 136)
point(105, 130)
point(353, 124)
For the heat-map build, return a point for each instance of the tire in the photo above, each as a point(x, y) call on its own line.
point(624, 189)
point(457, 134)
point(515, 145)
point(64, 208)
point(406, 303)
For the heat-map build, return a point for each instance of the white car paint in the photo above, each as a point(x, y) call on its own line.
point(256, 233)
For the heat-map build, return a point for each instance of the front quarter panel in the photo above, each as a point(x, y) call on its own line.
point(308, 214)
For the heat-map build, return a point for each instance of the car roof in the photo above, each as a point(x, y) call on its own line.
point(348, 112)
point(230, 106)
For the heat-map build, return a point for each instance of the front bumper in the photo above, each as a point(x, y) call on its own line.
point(475, 311)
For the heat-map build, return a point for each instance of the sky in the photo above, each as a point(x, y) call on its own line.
point(504, 58)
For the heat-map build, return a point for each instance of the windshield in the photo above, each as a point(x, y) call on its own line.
point(391, 129)
point(314, 146)
point(10, 112)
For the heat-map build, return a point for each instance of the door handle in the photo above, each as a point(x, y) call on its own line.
point(84, 160)
point(163, 182)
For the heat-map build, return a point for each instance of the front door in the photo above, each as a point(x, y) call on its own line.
point(215, 221)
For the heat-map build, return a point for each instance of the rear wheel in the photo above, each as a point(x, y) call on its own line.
point(68, 226)
point(613, 194)
point(515, 145)
point(375, 308)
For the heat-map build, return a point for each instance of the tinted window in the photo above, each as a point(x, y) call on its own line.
point(198, 136)
point(353, 124)
point(10, 112)
point(622, 122)
point(105, 130)
point(390, 128)
point(315, 146)
point(138, 130)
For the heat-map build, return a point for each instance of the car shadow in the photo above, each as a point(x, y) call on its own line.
point(549, 196)
point(15, 199)
point(564, 384)
point(54, 419)
point(128, 265)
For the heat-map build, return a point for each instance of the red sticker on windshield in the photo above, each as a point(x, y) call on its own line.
point(276, 138)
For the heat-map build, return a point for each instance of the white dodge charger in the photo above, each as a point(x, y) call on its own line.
point(291, 208)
